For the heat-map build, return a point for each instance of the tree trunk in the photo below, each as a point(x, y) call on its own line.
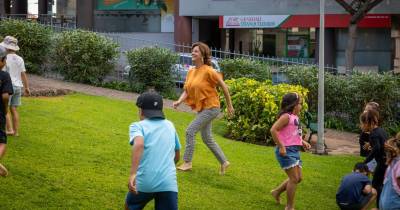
point(351, 45)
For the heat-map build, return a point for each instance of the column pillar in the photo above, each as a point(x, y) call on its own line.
point(20, 7)
point(4, 7)
point(84, 14)
point(182, 27)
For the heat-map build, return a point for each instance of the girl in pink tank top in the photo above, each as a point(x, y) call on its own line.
point(286, 133)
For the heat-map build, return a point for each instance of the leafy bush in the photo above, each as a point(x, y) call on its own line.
point(243, 67)
point(256, 106)
point(34, 41)
point(151, 68)
point(345, 96)
point(116, 85)
point(84, 56)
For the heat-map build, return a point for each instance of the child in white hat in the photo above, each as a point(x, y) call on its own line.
point(16, 68)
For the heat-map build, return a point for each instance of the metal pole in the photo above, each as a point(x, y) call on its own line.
point(320, 143)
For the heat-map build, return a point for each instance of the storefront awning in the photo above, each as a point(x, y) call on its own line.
point(337, 21)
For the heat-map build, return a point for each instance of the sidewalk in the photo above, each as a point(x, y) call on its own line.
point(338, 142)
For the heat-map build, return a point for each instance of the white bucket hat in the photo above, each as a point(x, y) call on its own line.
point(10, 43)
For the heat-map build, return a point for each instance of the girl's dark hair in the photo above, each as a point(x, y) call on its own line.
point(369, 119)
point(361, 167)
point(205, 52)
point(289, 101)
point(392, 148)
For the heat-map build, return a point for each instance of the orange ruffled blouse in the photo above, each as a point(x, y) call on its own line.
point(201, 88)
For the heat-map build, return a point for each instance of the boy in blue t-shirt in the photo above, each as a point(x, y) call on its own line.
point(355, 191)
point(155, 151)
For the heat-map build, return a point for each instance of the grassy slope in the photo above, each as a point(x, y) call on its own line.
point(73, 153)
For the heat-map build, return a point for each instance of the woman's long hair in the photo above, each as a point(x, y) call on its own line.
point(369, 119)
point(205, 52)
point(289, 101)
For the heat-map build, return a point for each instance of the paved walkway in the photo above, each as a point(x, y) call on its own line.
point(337, 142)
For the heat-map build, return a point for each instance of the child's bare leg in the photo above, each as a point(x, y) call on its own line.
point(294, 175)
point(2, 149)
point(9, 127)
point(15, 120)
point(276, 193)
point(371, 200)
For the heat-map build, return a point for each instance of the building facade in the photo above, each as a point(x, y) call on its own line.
point(287, 28)
point(279, 28)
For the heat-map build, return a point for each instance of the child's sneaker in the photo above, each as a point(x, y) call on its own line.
point(3, 170)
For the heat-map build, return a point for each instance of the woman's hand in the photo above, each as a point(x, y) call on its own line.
point(175, 104)
point(282, 151)
point(231, 111)
point(367, 146)
point(306, 145)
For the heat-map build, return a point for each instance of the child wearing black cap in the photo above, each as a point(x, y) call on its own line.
point(155, 151)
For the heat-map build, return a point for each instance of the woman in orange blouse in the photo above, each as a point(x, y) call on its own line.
point(200, 93)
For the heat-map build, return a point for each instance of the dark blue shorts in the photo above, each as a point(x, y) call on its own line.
point(163, 200)
point(3, 136)
point(355, 206)
point(291, 159)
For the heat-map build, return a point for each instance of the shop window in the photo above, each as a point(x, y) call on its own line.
point(297, 46)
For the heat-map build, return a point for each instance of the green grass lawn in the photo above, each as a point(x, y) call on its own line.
point(73, 153)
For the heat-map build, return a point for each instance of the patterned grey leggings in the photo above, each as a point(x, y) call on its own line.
point(203, 122)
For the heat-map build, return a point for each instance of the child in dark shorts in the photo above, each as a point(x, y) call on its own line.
point(355, 191)
point(6, 90)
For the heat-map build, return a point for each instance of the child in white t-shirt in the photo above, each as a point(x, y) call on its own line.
point(16, 68)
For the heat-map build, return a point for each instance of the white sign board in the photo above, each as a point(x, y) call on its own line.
point(253, 21)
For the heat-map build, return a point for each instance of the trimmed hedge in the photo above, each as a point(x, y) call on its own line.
point(256, 106)
point(243, 67)
point(34, 41)
point(151, 68)
point(345, 96)
point(83, 56)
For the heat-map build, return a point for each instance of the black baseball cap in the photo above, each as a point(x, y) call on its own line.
point(151, 104)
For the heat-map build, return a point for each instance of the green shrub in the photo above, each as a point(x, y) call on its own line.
point(34, 41)
point(307, 77)
point(256, 106)
point(345, 96)
point(84, 56)
point(151, 68)
point(116, 85)
point(243, 67)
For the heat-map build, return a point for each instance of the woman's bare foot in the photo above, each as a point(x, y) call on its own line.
point(10, 133)
point(276, 196)
point(224, 166)
point(186, 166)
point(287, 208)
point(3, 170)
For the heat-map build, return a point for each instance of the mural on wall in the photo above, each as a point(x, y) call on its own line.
point(132, 5)
point(166, 8)
point(167, 16)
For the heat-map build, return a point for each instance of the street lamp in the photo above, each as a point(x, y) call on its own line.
point(320, 148)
